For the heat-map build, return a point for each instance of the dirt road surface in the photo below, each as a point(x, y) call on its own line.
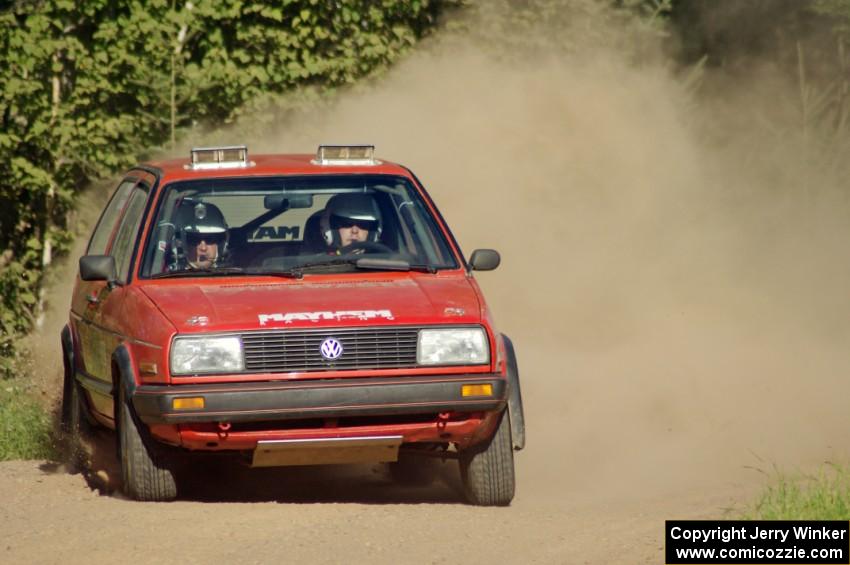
point(610, 458)
point(678, 307)
point(673, 427)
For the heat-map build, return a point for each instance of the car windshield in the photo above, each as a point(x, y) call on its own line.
point(293, 225)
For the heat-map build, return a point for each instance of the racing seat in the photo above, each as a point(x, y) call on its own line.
point(314, 242)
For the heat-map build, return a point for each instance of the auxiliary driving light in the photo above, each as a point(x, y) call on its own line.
point(192, 403)
point(346, 155)
point(477, 390)
point(219, 157)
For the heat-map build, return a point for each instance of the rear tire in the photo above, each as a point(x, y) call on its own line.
point(145, 470)
point(73, 422)
point(487, 470)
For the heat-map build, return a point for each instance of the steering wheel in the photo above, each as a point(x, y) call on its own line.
point(365, 247)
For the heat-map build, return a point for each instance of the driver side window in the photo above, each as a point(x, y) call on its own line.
point(106, 225)
point(122, 248)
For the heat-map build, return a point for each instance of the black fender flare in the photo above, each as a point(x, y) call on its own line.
point(70, 379)
point(126, 376)
point(515, 409)
point(126, 379)
point(69, 375)
point(67, 341)
point(68, 348)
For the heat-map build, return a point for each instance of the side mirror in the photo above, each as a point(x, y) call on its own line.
point(485, 259)
point(97, 268)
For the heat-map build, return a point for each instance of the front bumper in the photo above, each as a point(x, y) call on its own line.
point(319, 398)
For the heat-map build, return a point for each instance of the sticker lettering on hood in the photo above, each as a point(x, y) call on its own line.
point(290, 317)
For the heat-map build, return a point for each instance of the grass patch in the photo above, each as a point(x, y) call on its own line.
point(25, 426)
point(823, 496)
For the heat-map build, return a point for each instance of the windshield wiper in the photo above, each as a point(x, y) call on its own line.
point(220, 271)
point(325, 263)
point(382, 264)
point(393, 265)
point(290, 274)
point(365, 263)
point(340, 261)
point(228, 271)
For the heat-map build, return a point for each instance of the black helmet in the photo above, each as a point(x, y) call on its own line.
point(200, 220)
point(345, 210)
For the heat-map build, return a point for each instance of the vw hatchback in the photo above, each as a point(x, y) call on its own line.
point(292, 310)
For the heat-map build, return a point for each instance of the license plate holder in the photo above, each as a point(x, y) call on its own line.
point(371, 449)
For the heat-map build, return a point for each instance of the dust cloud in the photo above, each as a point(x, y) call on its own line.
point(674, 281)
point(43, 351)
point(678, 306)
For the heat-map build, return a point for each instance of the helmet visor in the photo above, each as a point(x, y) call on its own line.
point(338, 222)
point(194, 238)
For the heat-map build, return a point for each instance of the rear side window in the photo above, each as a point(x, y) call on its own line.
point(106, 225)
point(122, 249)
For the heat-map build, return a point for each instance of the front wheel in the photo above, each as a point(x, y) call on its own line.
point(487, 470)
point(146, 472)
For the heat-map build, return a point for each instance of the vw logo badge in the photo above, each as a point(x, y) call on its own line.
point(331, 348)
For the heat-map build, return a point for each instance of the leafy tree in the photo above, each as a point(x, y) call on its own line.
point(89, 86)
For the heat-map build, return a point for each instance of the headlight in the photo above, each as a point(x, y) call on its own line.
point(191, 355)
point(453, 346)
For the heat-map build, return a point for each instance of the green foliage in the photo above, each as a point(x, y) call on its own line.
point(825, 496)
point(25, 430)
point(278, 48)
point(837, 13)
point(797, 52)
point(516, 30)
point(85, 87)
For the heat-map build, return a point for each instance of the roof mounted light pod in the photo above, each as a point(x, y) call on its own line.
point(346, 155)
point(228, 157)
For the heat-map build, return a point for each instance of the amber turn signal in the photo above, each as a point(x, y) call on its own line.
point(192, 403)
point(477, 390)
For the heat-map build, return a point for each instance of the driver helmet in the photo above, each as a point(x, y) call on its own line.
point(345, 210)
point(201, 220)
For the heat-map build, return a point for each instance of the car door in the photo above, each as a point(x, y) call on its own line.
point(98, 303)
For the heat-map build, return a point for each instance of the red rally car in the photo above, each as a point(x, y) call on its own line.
point(293, 310)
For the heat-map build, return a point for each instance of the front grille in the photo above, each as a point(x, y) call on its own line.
point(287, 351)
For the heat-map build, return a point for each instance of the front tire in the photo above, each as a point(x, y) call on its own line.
point(145, 470)
point(487, 470)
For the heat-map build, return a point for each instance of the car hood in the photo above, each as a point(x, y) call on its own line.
point(243, 306)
